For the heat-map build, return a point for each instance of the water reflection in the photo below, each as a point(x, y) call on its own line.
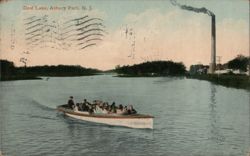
point(3, 118)
point(192, 117)
point(216, 135)
point(165, 80)
point(249, 123)
point(1, 129)
point(107, 139)
point(81, 128)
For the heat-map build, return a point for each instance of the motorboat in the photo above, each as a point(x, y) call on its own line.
point(126, 120)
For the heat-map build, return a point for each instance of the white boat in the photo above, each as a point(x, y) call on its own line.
point(131, 120)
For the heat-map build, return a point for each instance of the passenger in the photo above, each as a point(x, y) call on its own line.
point(119, 110)
point(78, 106)
point(98, 110)
point(89, 106)
point(85, 107)
point(113, 108)
point(113, 104)
point(101, 105)
point(134, 111)
point(93, 106)
point(131, 110)
point(125, 110)
point(86, 102)
point(109, 109)
point(91, 110)
point(98, 102)
point(120, 107)
point(71, 102)
point(104, 111)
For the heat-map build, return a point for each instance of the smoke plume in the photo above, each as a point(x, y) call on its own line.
point(198, 10)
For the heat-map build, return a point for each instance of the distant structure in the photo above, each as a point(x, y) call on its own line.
point(198, 69)
point(212, 65)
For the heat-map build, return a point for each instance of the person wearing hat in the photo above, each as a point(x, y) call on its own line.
point(71, 102)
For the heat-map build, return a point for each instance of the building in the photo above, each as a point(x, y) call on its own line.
point(198, 69)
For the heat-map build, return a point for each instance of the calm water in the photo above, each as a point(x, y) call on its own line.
point(192, 117)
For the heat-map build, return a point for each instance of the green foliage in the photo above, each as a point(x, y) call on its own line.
point(10, 72)
point(7, 68)
point(229, 80)
point(60, 70)
point(154, 68)
point(240, 62)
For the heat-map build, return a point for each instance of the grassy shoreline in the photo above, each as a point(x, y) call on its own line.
point(234, 81)
point(147, 75)
point(38, 77)
point(15, 77)
point(9, 72)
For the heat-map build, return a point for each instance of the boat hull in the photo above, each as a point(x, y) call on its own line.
point(131, 121)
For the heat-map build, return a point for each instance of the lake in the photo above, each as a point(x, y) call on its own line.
point(192, 117)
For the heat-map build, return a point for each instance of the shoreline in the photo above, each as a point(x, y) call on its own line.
point(39, 77)
point(147, 75)
point(19, 78)
point(233, 81)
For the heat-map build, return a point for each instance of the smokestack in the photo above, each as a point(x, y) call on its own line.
point(212, 65)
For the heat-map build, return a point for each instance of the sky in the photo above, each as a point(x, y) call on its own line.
point(132, 31)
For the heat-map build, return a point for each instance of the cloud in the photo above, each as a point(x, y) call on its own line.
point(232, 38)
point(184, 37)
point(173, 34)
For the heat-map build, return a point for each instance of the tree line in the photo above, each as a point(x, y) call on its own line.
point(152, 68)
point(240, 62)
point(10, 71)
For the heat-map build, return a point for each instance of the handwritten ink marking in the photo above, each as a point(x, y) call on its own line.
point(13, 37)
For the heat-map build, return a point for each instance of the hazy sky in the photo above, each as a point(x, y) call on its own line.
point(135, 31)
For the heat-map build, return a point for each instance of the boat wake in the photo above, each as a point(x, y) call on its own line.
point(32, 116)
point(41, 106)
point(37, 110)
point(166, 80)
point(41, 117)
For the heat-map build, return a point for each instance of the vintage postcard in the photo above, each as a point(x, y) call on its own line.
point(124, 78)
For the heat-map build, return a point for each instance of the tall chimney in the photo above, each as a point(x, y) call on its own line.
point(212, 65)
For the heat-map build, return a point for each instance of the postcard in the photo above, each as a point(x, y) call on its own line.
point(124, 77)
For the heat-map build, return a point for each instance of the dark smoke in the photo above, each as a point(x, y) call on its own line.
point(198, 10)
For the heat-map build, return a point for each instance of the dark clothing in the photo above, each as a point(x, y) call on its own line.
point(85, 107)
point(113, 106)
point(86, 103)
point(71, 103)
point(120, 107)
point(133, 111)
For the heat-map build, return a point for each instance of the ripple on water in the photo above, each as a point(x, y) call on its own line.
point(191, 118)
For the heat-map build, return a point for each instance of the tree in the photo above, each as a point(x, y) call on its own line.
point(7, 68)
point(155, 68)
point(240, 62)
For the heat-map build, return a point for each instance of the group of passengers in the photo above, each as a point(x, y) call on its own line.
point(100, 107)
